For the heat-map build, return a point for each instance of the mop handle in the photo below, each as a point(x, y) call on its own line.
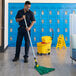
point(30, 39)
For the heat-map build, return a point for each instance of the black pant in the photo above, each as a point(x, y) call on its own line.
point(22, 33)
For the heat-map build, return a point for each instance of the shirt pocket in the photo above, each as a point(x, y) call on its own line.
point(28, 17)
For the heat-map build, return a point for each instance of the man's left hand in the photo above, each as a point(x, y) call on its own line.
point(28, 29)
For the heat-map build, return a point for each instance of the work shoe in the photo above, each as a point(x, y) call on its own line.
point(25, 59)
point(15, 59)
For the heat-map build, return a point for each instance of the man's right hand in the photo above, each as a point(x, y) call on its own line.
point(24, 17)
point(19, 19)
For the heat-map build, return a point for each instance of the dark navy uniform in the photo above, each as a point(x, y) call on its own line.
point(22, 31)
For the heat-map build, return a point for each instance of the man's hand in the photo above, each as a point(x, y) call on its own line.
point(24, 16)
point(28, 29)
point(32, 23)
point(19, 19)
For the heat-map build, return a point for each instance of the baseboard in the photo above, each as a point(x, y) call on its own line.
point(3, 50)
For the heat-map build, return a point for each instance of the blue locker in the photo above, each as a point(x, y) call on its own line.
point(60, 13)
point(54, 27)
point(37, 15)
point(52, 21)
point(13, 12)
point(66, 31)
point(67, 39)
point(60, 29)
point(36, 32)
point(67, 12)
point(36, 11)
point(66, 21)
point(35, 39)
point(45, 30)
point(52, 12)
point(49, 15)
point(44, 13)
point(73, 10)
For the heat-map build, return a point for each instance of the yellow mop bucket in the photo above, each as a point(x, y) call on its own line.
point(46, 39)
point(43, 48)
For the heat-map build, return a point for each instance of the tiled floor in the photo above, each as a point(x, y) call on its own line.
point(58, 59)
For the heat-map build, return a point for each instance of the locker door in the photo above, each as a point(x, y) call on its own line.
point(52, 13)
point(66, 23)
point(13, 27)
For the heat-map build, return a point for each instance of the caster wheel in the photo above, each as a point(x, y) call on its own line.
point(41, 54)
point(48, 53)
point(37, 53)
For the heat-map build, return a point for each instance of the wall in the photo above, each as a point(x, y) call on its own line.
point(6, 25)
point(45, 1)
point(0, 21)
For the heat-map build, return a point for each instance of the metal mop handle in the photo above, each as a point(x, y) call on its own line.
point(30, 40)
point(31, 45)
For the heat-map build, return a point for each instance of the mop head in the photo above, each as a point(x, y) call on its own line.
point(43, 70)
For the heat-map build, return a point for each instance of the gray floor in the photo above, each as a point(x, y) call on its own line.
point(58, 59)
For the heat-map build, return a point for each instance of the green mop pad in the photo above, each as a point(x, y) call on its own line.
point(43, 70)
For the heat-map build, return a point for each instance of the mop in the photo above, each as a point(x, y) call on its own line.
point(42, 70)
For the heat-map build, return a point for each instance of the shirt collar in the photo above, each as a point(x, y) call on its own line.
point(26, 11)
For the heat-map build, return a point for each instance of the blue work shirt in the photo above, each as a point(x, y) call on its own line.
point(29, 17)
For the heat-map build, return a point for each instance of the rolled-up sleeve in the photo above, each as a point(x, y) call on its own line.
point(32, 17)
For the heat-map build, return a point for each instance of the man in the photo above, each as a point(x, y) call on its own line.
point(22, 30)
